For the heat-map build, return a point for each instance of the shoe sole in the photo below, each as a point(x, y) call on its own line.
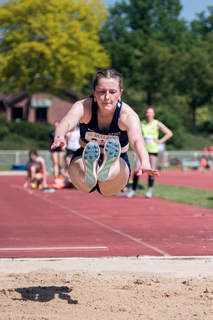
point(90, 158)
point(112, 150)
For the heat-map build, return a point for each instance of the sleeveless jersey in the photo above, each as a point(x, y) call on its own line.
point(91, 132)
point(73, 139)
point(150, 131)
point(37, 165)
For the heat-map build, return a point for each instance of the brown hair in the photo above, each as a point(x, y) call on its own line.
point(33, 151)
point(108, 73)
point(149, 107)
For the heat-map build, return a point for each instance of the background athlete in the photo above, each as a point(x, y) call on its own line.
point(150, 129)
point(36, 171)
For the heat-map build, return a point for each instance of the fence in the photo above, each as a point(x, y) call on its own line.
point(9, 158)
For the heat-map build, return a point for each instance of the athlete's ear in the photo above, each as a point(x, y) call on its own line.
point(121, 93)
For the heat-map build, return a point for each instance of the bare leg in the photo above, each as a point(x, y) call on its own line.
point(118, 178)
point(153, 160)
point(36, 177)
point(111, 177)
point(60, 161)
point(77, 175)
point(32, 173)
point(67, 161)
point(137, 166)
point(55, 163)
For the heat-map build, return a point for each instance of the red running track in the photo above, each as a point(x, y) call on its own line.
point(190, 178)
point(68, 223)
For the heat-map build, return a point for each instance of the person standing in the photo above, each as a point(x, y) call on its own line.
point(72, 139)
point(150, 129)
point(57, 155)
point(107, 126)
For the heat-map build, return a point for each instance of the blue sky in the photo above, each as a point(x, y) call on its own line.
point(190, 7)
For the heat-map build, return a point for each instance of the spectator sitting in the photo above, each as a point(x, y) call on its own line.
point(36, 171)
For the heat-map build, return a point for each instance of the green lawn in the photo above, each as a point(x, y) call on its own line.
point(194, 196)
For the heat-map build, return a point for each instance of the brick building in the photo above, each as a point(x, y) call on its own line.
point(44, 108)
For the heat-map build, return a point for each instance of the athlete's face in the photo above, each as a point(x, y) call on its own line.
point(149, 114)
point(33, 157)
point(107, 93)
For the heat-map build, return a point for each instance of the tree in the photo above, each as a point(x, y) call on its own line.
point(202, 26)
point(194, 78)
point(154, 65)
point(46, 44)
point(152, 18)
point(140, 36)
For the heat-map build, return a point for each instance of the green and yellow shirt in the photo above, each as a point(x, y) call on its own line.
point(150, 131)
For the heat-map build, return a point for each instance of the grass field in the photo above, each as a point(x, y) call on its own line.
point(187, 195)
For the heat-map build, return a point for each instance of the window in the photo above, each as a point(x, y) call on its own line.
point(41, 115)
point(17, 114)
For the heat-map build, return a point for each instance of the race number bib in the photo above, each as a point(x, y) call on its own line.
point(101, 139)
point(148, 139)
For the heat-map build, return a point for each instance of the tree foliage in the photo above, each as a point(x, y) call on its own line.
point(45, 44)
point(161, 54)
point(203, 25)
point(194, 77)
point(144, 34)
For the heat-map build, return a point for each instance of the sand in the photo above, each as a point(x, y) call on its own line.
point(105, 289)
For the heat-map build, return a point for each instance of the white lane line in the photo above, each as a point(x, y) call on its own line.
point(112, 258)
point(53, 248)
point(105, 226)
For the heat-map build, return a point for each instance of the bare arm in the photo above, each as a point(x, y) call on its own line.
point(167, 133)
point(70, 121)
point(132, 123)
point(44, 182)
point(27, 178)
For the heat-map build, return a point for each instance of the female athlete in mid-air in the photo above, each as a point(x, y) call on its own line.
point(107, 126)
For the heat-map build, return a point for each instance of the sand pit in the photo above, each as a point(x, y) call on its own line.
point(109, 288)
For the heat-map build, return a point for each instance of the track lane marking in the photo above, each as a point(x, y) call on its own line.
point(53, 248)
point(104, 226)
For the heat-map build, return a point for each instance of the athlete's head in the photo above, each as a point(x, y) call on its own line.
point(108, 73)
point(33, 154)
point(149, 112)
point(107, 89)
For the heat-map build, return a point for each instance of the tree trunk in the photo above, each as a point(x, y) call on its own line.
point(149, 99)
point(27, 108)
point(193, 119)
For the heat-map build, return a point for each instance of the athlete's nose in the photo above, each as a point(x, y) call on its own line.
point(107, 95)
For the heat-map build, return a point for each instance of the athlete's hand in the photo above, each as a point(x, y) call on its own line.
point(59, 142)
point(150, 172)
point(25, 185)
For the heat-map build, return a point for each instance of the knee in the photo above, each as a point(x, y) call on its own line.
point(32, 170)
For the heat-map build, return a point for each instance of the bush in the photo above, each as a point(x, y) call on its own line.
point(3, 131)
point(206, 127)
point(35, 131)
point(3, 121)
